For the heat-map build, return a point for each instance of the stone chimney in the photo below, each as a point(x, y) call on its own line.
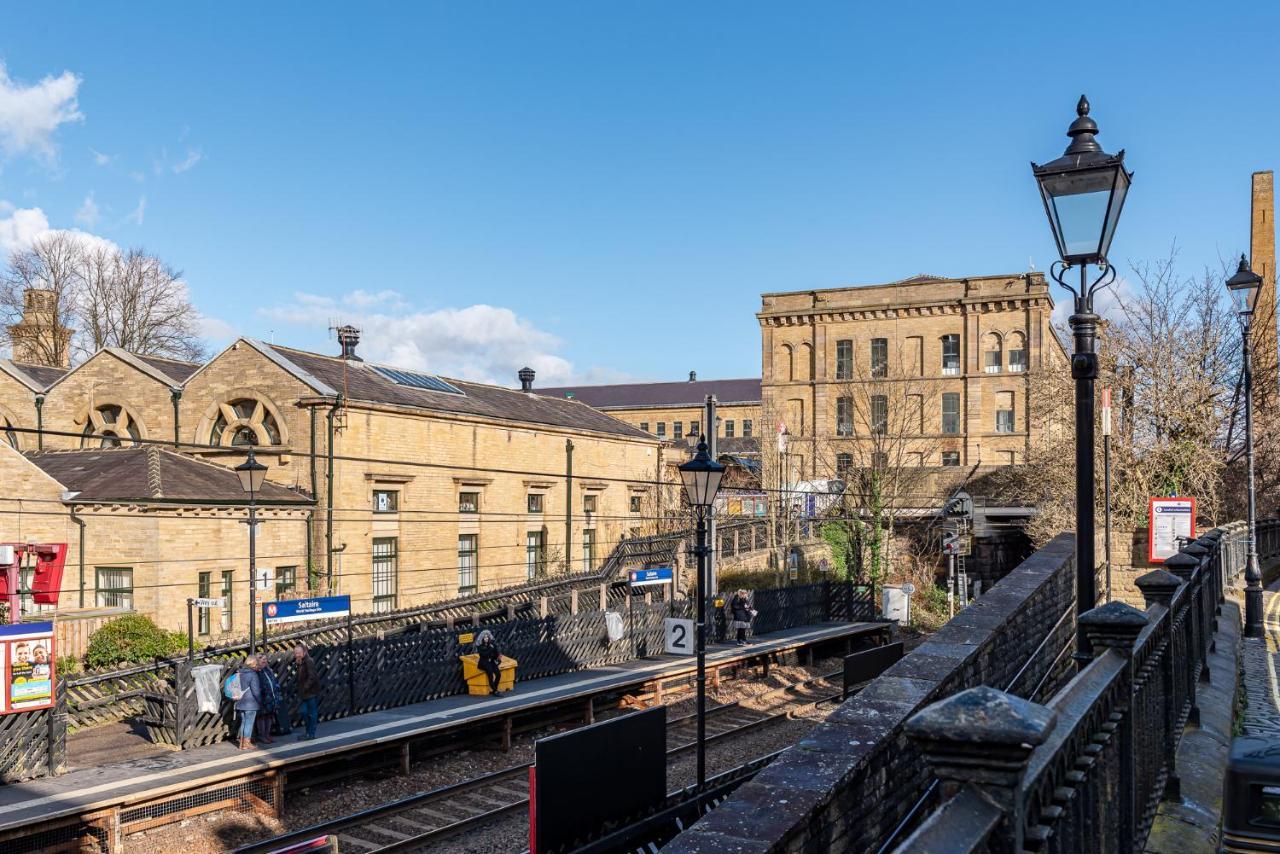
point(693, 376)
point(1262, 259)
point(348, 338)
point(40, 338)
point(526, 379)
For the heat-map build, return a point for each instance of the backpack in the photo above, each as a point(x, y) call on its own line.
point(231, 688)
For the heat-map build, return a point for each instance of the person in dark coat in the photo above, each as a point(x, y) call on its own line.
point(250, 701)
point(490, 658)
point(270, 687)
point(308, 691)
point(743, 613)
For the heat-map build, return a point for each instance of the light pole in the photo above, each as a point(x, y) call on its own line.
point(252, 473)
point(701, 476)
point(1244, 287)
point(1083, 193)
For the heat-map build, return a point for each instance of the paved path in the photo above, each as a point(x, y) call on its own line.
point(80, 791)
point(1261, 665)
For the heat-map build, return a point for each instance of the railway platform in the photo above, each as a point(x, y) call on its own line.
point(112, 800)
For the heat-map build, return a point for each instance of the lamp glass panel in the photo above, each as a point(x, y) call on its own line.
point(1078, 202)
point(1117, 204)
point(690, 479)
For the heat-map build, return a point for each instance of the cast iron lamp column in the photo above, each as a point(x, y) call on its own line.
point(1244, 287)
point(1083, 193)
point(252, 473)
point(701, 476)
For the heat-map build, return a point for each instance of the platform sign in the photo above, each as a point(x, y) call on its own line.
point(207, 602)
point(1168, 520)
point(654, 575)
point(29, 656)
point(297, 610)
point(679, 636)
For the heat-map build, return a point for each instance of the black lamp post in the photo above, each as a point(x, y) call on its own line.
point(1083, 193)
point(1244, 287)
point(252, 473)
point(701, 476)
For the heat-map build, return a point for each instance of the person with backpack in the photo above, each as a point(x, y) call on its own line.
point(270, 686)
point(308, 692)
point(245, 688)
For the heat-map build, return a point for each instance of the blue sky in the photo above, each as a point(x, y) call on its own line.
point(603, 190)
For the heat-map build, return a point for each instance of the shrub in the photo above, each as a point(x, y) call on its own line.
point(132, 638)
point(68, 665)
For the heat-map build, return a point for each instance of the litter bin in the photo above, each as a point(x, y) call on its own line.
point(1251, 796)
point(478, 681)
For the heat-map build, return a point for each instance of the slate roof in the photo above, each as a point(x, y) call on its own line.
point(43, 375)
point(152, 474)
point(176, 370)
point(362, 383)
point(634, 395)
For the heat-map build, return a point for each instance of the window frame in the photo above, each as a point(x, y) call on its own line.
point(468, 563)
point(379, 561)
point(475, 503)
point(394, 503)
point(677, 430)
point(286, 579)
point(729, 428)
point(844, 415)
point(535, 553)
point(590, 502)
point(954, 429)
point(746, 428)
point(538, 499)
point(950, 455)
point(204, 586)
point(636, 504)
point(644, 425)
point(227, 619)
point(662, 430)
point(950, 370)
point(878, 416)
point(588, 549)
point(102, 592)
point(844, 359)
point(879, 358)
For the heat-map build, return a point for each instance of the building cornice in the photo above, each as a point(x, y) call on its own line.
point(943, 308)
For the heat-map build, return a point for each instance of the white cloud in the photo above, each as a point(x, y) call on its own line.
point(88, 213)
point(136, 215)
point(100, 158)
point(30, 115)
point(193, 157)
point(20, 227)
point(483, 343)
point(216, 330)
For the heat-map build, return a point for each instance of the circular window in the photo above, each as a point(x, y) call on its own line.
point(108, 426)
point(244, 422)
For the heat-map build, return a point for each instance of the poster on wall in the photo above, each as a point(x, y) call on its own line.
point(29, 656)
point(1168, 520)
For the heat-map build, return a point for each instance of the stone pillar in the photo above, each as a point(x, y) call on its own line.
point(1116, 626)
point(984, 738)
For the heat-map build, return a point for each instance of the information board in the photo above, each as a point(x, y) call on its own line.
point(28, 666)
point(297, 610)
point(1168, 520)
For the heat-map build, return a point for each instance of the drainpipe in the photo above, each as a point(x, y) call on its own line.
point(568, 505)
point(311, 516)
point(175, 394)
point(39, 422)
point(80, 543)
point(328, 499)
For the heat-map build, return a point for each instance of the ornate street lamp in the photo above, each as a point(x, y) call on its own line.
point(251, 474)
point(1244, 287)
point(701, 476)
point(1083, 192)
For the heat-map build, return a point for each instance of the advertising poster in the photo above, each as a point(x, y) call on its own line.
point(29, 666)
point(1168, 520)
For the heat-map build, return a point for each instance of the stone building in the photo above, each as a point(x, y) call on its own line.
point(416, 487)
point(675, 411)
point(939, 366)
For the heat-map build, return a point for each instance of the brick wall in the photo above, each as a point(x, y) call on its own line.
point(855, 776)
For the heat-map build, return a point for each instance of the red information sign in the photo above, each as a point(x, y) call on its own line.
point(1168, 520)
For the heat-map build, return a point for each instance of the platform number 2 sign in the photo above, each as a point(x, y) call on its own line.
point(679, 636)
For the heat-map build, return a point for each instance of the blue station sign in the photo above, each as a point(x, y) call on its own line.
point(297, 610)
point(655, 575)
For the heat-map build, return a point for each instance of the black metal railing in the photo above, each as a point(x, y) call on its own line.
point(1087, 770)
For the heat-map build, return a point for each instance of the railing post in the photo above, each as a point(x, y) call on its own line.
point(57, 734)
point(1116, 626)
point(1158, 588)
point(984, 738)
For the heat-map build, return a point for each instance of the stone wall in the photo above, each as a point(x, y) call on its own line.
point(853, 779)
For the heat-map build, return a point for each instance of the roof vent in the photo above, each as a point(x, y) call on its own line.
point(348, 338)
point(526, 378)
point(693, 376)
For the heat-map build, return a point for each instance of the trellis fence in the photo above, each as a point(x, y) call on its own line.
point(1087, 770)
point(373, 673)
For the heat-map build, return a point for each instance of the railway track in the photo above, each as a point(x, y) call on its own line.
point(427, 818)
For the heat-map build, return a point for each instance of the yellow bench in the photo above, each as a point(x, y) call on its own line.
point(478, 681)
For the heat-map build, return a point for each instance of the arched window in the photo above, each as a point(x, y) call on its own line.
point(108, 426)
point(10, 435)
point(992, 353)
point(244, 422)
point(1017, 352)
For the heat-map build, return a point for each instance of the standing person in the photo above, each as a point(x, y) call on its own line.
point(308, 691)
point(490, 658)
point(250, 700)
point(743, 613)
point(270, 690)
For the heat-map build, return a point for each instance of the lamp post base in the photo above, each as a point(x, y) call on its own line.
point(1253, 619)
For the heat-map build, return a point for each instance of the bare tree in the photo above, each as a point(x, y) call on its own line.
point(100, 296)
